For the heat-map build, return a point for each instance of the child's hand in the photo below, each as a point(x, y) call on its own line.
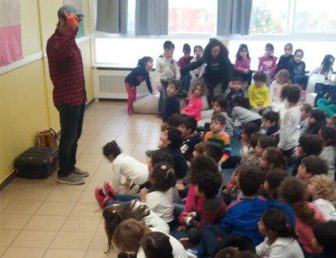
point(159, 87)
point(181, 228)
point(143, 194)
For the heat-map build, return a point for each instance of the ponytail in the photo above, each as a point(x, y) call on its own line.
point(143, 61)
point(276, 220)
point(115, 214)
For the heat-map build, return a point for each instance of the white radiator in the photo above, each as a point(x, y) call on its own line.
point(109, 84)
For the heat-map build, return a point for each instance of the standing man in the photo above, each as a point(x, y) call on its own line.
point(66, 73)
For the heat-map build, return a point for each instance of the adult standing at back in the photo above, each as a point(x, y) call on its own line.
point(69, 95)
point(218, 68)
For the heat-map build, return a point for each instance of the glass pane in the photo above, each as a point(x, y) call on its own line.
point(192, 16)
point(269, 17)
point(131, 17)
point(315, 16)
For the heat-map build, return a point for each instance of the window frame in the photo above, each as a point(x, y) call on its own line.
point(290, 28)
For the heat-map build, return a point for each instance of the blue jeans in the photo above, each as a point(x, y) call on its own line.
point(122, 199)
point(163, 96)
point(71, 120)
point(210, 234)
point(302, 80)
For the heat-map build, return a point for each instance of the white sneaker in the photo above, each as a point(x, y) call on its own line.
point(70, 180)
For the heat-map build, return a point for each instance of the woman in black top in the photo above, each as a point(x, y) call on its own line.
point(218, 66)
point(135, 78)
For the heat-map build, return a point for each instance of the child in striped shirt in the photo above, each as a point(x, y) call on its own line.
point(219, 136)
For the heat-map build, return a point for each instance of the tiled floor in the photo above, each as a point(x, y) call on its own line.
point(40, 218)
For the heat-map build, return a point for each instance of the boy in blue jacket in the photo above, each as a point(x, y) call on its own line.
point(242, 216)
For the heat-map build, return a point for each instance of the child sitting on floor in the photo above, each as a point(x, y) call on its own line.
point(281, 79)
point(207, 186)
point(271, 121)
point(129, 235)
point(245, 135)
point(317, 119)
point(162, 195)
point(194, 108)
point(241, 217)
point(297, 69)
point(305, 113)
point(272, 158)
point(325, 239)
point(194, 202)
point(263, 143)
point(328, 154)
point(286, 57)
point(294, 192)
point(309, 144)
point(273, 180)
point(267, 63)
point(234, 90)
point(219, 106)
point(311, 166)
point(170, 142)
point(321, 187)
point(219, 136)
point(171, 105)
point(258, 93)
point(191, 138)
point(242, 113)
point(280, 238)
point(127, 171)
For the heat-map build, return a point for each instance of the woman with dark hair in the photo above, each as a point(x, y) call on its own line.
point(219, 68)
point(326, 68)
point(322, 74)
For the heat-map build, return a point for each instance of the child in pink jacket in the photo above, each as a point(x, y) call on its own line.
point(267, 63)
point(195, 105)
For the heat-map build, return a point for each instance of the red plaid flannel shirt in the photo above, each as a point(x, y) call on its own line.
point(66, 69)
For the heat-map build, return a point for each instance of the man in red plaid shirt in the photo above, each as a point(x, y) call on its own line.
point(66, 73)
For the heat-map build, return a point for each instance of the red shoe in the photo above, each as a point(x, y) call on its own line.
point(108, 190)
point(101, 197)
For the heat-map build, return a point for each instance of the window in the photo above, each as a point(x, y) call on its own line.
point(269, 17)
point(315, 17)
point(131, 17)
point(192, 16)
point(293, 17)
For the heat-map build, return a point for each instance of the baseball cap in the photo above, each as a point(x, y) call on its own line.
point(68, 9)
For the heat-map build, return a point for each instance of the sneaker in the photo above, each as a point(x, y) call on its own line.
point(108, 190)
point(192, 252)
point(70, 180)
point(101, 197)
point(80, 173)
point(186, 242)
point(134, 189)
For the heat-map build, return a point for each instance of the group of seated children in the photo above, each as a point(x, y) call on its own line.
point(186, 202)
point(289, 67)
point(277, 203)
